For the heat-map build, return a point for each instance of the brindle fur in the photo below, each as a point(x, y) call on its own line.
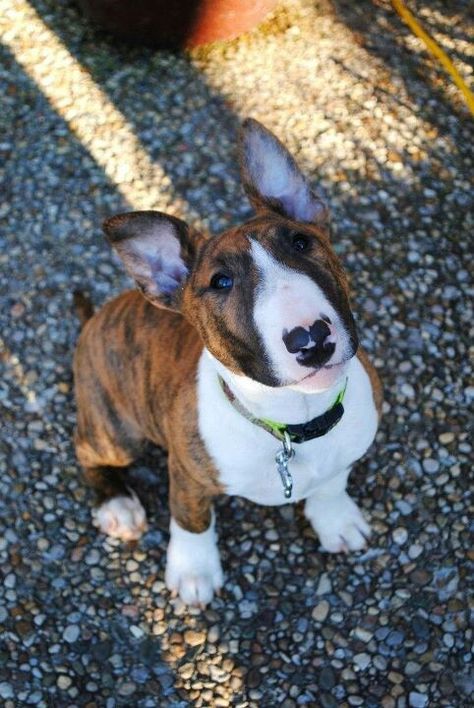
point(135, 375)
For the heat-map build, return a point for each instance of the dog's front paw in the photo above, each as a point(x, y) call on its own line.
point(339, 523)
point(121, 517)
point(193, 568)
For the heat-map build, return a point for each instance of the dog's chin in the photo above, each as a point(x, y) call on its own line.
point(321, 379)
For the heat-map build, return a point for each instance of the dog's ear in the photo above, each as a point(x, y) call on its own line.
point(273, 180)
point(158, 252)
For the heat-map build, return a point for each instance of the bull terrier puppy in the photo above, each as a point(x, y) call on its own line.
point(239, 355)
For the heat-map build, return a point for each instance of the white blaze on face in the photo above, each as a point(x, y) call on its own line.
point(285, 299)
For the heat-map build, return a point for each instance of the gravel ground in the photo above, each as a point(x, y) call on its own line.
point(89, 128)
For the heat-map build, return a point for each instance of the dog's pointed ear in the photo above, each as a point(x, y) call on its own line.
point(273, 180)
point(158, 252)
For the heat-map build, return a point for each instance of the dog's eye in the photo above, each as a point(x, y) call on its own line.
point(300, 242)
point(220, 281)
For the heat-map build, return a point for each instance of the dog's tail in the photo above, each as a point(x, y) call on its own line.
point(83, 305)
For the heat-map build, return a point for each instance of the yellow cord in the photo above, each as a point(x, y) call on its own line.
point(436, 51)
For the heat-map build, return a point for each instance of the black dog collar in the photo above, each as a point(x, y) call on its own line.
point(297, 433)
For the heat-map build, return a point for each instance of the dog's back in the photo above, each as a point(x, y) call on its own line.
point(123, 374)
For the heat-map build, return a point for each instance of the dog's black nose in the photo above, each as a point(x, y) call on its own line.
point(310, 345)
point(319, 331)
point(296, 339)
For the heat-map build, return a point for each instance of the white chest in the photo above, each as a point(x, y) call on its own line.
point(244, 454)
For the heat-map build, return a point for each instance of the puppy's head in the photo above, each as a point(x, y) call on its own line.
point(269, 298)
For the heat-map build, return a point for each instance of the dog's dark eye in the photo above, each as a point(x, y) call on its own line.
point(220, 281)
point(300, 242)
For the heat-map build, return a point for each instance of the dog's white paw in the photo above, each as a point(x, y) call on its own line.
point(193, 568)
point(339, 523)
point(121, 517)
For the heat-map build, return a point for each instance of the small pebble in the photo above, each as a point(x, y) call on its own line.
point(400, 535)
point(324, 585)
point(64, 682)
point(6, 690)
point(127, 689)
point(417, 700)
point(71, 633)
point(414, 551)
point(362, 661)
point(194, 638)
point(320, 612)
point(431, 466)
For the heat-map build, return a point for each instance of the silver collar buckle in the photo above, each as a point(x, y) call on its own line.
point(282, 458)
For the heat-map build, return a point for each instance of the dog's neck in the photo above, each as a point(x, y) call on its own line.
point(282, 404)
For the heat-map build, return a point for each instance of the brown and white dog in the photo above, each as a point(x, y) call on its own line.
point(233, 341)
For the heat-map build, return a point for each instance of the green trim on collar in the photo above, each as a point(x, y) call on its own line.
point(341, 394)
point(281, 427)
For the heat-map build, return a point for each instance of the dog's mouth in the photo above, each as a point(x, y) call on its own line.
point(327, 367)
point(334, 369)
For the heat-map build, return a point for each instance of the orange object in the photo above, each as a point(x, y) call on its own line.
point(177, 24)
point(226, 19)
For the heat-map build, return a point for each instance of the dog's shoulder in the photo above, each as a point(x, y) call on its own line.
point(130, 316)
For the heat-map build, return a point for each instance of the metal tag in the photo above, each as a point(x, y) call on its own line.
point(282, 458)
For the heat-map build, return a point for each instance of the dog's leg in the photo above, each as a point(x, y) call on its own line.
point(118, 511)
point(337, 519)
point(193, 568)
